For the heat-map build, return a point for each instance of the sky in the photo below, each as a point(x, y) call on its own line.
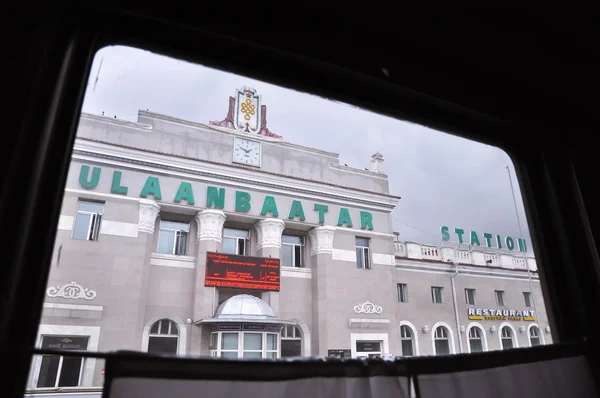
point(443, 180)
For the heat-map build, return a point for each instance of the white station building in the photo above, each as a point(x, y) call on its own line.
point(223, 239)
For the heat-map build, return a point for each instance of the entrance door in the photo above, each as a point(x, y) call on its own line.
point(368, 349)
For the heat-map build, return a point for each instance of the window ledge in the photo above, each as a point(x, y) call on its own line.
point(296, 272)
point(172, 260)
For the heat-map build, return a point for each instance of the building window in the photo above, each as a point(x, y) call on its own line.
point(163, 337)
point(500, 297)
point(470, 296)
point(402, 293)
point(88, 220)
point(235, 241)
point(527, 297)
point(58, 370)
point(291, 341)
point(442, 342)
point(406, 337)
point(507, 338)
point(534, 336)
point(437, 294)
point(244, 345)
point(173, 237)
point(291, 251)
point(475, 339)
point(363, 259)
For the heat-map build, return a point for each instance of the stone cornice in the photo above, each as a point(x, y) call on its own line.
point(88, 150)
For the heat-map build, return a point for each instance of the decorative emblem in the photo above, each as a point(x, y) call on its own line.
point(368, 308)
point(246, 113)
point(248, 109)
point(71, 291)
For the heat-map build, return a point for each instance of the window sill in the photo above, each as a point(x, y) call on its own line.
point(172, 260)
point(296, 272)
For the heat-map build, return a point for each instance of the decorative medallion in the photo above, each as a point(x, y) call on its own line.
point(71, 291)
point(368, 308)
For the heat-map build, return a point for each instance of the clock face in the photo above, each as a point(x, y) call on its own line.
point(246, 151)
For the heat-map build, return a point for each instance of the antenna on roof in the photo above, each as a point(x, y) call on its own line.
point(98, 74)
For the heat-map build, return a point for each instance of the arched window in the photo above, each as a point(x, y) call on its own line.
point(534, 336)
point(163, 337)
point(507, 338)
point(406, 337)
point(475, 339)
point(442, 342)
point(291, 341)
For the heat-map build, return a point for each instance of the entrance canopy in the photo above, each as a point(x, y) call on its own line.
point(244, 309)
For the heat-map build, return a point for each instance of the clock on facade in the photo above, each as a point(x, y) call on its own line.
point(246, 151)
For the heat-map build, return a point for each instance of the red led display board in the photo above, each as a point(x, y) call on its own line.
point(243, 272)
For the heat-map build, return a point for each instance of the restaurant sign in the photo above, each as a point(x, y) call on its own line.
point(483, 314)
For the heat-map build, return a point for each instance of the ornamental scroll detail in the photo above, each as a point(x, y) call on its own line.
point(368, 308)
point(71, 291)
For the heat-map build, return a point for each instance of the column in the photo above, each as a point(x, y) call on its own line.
point(148, 212)
point(268, 232)
point(321, 248)
point(209, 237)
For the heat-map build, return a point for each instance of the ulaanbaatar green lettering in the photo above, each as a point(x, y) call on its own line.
point(322, 209)
point(185, 192)
point(215, 198)
point(366, 220)
point(242, 201)
point(83, 177)
point(344, 218)
point(474, 239)
point(116, 186)
point(269, 206)
point(296, 210)
point(151, 187)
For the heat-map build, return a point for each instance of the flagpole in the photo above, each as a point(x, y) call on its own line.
point(522, 237)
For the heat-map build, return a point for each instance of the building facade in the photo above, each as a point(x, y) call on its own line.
point(224, 239)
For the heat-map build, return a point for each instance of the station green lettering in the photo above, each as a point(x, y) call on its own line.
point(344, 218)
point(83, 177)
point(269, 206)
point(215, 197)
point(116, 186)
point(460, 233)
point(151, 187)
point(296, 211)
point(185, 192)
point(510, 243)
point(499, 241)
point(445, 233)
point(522, 245)
point(366, 220)
point(475, 238)
point(322, 209)
point(488, 239)
point(242, 201)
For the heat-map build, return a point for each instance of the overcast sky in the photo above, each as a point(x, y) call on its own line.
point(442, 179)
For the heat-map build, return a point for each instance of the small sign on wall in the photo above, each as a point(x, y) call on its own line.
point(339, 353)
